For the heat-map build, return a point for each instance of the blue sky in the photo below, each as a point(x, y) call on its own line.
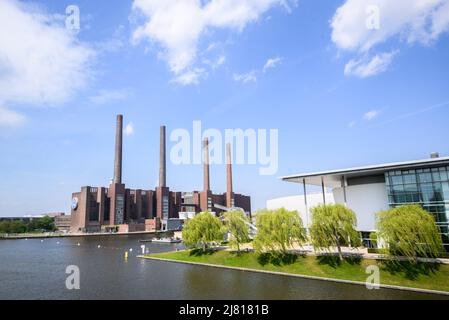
point(339, 93)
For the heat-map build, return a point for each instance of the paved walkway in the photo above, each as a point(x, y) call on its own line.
point(347, 251)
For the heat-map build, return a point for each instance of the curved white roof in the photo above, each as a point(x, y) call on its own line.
point(332, 178)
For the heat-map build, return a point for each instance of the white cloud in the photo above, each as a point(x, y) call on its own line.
point(216, 63)
point(418, 21)
point(41, 63)
point(252, 75)
point(367, 116)
point(221, 59)
point(440, 21)
point(364, 68)
point(189, 77)
point(246, 77)
point(177, 25)
point(108, 96)
point(352, 124)
point(9, 118)
point(114, 43)
point(129, 129)
point(371, 115)
point(271, 63)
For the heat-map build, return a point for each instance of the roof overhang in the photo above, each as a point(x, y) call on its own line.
point(333, 178)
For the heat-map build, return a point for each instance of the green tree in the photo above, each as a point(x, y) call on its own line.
point(278, 230)
point(409, 231)
point(5, 226)
point(237, 225)
point(17, 226)
point(45, 223)
point(374, 239)
point(334, 225)
point(203, 229)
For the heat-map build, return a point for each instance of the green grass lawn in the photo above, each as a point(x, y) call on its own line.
point(425, 276)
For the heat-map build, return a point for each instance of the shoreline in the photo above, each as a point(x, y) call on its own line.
point(353, 282)
point(74, 235)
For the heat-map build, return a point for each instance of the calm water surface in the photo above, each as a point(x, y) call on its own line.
point(31, 269)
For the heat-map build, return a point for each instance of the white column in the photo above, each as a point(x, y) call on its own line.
point(343, 185)
point(305, 202)
point(323, 190)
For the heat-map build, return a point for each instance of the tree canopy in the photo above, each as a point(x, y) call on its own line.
point(237, 225)
point(333, 225)
point(278, 230)
point(409, 231)
point(203, 229)
point(19, 226)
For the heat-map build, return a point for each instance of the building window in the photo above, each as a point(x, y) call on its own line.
point(426, 187)
point(165, 207)
point(119, 209)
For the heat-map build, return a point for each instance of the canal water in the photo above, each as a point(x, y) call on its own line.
point(35, 269)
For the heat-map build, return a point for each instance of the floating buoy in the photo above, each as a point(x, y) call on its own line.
point(78, 244)
point(98, 246)
point(126, 254)
point(131, 250)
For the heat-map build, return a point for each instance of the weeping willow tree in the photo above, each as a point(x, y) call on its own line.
point(333, 226)
point(237, 225)
point(278, 230)
point(409, 231)
point(203, 229)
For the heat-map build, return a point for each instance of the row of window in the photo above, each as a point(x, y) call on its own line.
point(418, 178)
point(414, 171)
point(427, 187)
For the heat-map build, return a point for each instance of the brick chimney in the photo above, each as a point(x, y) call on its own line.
point(118, 150)
point(229, 193)
point(162, 159)
point(206, 165)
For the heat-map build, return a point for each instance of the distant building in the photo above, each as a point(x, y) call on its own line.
point(62, 223)
point(370, 189)
point(29, 217)
point(54, 214)
point(117, 208)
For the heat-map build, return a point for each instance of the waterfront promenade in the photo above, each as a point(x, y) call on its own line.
point(72, 235)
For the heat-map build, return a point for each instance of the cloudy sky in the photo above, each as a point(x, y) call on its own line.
point(346, 83)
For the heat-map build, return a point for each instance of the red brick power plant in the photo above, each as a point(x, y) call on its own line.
point(119, 209)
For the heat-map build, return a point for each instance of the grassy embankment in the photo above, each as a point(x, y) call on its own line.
point(423, 276)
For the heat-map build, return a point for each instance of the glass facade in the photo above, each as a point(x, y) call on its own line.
point(427, 187)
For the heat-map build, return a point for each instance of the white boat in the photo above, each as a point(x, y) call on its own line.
point(165, 240)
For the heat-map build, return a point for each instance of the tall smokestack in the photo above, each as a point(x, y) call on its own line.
point(118, 150)
point(228, 176)
point(162, 162)
point(206, 165)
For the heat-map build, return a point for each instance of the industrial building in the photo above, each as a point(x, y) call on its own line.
point(63, 222)
point(120, 209)
point(370, 189)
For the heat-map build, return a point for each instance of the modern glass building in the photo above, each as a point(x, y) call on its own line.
point(370, 189)
point(428, 187)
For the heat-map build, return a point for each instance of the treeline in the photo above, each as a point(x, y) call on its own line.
point(44, 224)
point(408, 231)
